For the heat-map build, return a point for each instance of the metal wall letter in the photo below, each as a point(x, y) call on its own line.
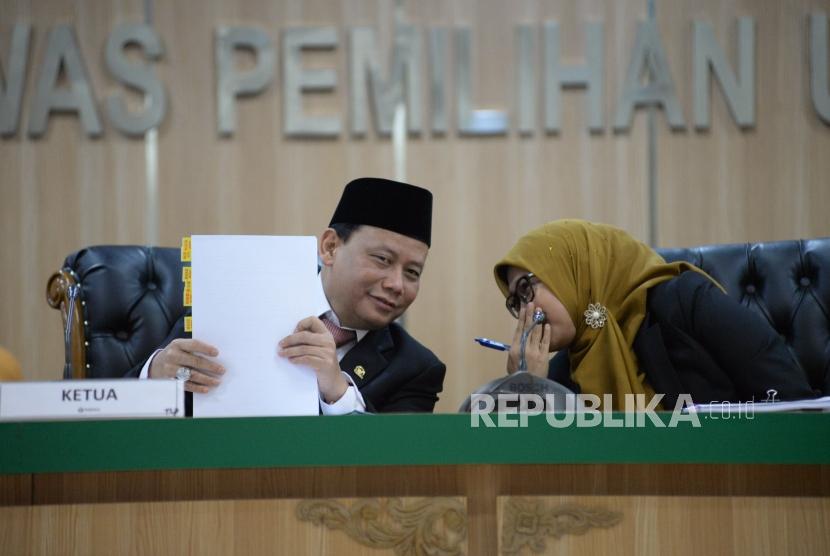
point(470, 121)
point(438, 80)
point(558, 76)
point(739, 97)
point(648, 55)
point(526, 78)
point(62, 50)
point(364, 72)
point(231, 83)
point(298, 80)
point(139, 76)
point(11, 92)
point(819, 84)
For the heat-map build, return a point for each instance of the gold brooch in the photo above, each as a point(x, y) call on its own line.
point(596, 315)
point(359, 371)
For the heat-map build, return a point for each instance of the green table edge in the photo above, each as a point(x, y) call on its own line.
point(362, 440)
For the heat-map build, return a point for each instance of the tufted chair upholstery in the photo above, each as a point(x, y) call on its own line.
point(129, 301)
point(787, 283)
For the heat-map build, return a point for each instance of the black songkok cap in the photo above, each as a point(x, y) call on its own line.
point(391, 205)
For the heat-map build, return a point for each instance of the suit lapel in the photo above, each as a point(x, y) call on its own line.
point(366, 359)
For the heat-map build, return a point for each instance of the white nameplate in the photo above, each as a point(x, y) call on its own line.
point(91, 399)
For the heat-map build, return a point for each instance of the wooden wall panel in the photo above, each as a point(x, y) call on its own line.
point(729, 185)
point(65, 191)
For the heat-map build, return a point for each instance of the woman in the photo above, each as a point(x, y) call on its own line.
point(634, 324)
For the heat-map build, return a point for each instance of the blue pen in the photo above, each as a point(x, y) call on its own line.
point(492, 344)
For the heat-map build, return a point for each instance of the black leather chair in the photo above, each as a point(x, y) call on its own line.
point(129, 300)
point(787, 283)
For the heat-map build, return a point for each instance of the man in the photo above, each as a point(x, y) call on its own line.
point(372, 256)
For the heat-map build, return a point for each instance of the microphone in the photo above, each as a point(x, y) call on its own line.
point(523, 384)
point(538, 318)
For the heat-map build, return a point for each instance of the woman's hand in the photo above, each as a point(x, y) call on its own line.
point(537, 352)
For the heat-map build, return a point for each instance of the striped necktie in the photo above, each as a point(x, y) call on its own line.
point(341, 336)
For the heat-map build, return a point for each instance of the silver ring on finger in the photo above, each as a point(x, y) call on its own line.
point(184, 373)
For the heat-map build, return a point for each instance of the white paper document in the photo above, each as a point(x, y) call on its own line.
point(249, 292)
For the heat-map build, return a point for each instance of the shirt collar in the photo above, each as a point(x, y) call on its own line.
point(323, 308)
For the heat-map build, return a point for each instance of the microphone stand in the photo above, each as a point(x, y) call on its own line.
point(67, 332)
point(523, 382)
point(538, 318)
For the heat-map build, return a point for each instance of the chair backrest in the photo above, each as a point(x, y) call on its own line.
point(129, 300)
point(787, 283)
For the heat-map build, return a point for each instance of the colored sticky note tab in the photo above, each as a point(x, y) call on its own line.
point(186, 250)
point(188, 324)
point(187, 273)
point(188, 295)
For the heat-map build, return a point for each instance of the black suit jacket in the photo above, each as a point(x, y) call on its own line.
point(697, 340)
point(400, 374)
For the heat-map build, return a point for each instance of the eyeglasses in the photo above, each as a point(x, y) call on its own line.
point(522, 294)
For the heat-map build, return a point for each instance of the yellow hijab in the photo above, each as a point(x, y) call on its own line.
point(584, 263)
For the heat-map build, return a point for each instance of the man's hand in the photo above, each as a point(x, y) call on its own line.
point(537, 351)
point(193, 354)
point(312, 345)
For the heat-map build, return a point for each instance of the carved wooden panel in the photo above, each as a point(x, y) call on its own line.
point(658, 525)
point(406, 527)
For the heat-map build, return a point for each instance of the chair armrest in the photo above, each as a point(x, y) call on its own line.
point(58, 295)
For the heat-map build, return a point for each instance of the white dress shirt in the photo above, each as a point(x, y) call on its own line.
point(352, 399)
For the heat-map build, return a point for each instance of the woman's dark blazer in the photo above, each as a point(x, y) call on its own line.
point(697, 340)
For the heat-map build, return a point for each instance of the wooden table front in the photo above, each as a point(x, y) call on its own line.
point(415, 484)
